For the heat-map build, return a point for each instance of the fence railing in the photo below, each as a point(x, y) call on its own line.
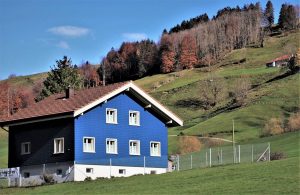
point(223, 155)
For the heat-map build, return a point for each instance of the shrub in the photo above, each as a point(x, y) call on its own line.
point(88, 179)
point(48, 178)
point(294, 122)
point(277, 156)
point(188, 144)
point(273, 127)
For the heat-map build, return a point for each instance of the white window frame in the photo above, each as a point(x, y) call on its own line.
point(55, 146)
point(107, 117)
point(85, 149)
point(137, 115)
point(107, 146)
point(138, 152)
point(159, 149)
point(23, 148)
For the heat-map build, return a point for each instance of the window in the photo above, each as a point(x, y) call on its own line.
point(134, 147)
point(26, 174)
point(154, 148)
point(25, 148)
point(89, 170)
point(58, 172)
point(58, 145)
point(111, 146)
point(134, 118)
point(111, 116)
point(88, 144)
point(122, 171)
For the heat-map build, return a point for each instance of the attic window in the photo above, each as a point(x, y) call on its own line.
point(134, 118)
point(111, 116)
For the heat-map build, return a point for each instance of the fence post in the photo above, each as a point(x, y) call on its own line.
point(44, 168)
point(20, 179)
point(178, 163)
point(191, 161)
point(110, 168)
point(209, 157)
point(269, 145)
point(206, 163)
point(239, 153)
point(221, 156)
point(252, 153)
point(144, 165)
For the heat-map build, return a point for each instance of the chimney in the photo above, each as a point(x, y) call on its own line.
point(69, 92)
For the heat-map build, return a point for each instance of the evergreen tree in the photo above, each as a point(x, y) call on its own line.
point(269, 14)
point(287, 17)
point(62, 75)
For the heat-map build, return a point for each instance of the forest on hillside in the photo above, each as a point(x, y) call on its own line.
point(197, 42)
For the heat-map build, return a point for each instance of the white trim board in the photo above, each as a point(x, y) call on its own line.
point(131, 86)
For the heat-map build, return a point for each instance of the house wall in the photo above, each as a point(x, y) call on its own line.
point(104, 171)
point(93, 124)
point(41, 135)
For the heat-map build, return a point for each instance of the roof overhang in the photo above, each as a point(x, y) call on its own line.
point(36, 119)
point(150, 103)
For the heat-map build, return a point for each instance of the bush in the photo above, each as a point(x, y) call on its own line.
point(188, 144)
point(277, 156)
point(88, 179)
point(48, 178)
point(273, 127)
point(294, 122)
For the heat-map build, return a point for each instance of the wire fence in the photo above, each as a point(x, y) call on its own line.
point(223, 155)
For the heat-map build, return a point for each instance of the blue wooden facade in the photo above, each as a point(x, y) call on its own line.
point(93, 124)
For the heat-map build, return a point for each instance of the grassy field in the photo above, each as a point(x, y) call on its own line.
point(276, 177)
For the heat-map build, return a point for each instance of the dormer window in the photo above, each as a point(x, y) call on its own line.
point(134, 118)
point(111, 116)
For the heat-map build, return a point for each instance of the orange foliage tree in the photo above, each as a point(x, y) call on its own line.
point(188, 57)
point(168, 55)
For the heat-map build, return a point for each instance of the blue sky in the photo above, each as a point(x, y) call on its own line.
point(35, 33)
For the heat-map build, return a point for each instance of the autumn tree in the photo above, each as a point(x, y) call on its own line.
point(61, 76)
point(188, 57)
point(168, 55)
point(212, 91)
point(269, 14)
point(20, 98)
point(4, 96)
point(188, 144)
point(89, 74)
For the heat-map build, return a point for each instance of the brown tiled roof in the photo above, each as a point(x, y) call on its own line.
point(284, 57)
point(58, 104)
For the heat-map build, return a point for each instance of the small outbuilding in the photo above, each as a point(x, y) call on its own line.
point(279, 62)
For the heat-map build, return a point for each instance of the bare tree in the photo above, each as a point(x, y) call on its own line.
point(240, 90)
point(212, 91)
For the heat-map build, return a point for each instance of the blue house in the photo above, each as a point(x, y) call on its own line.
point(114, 130)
